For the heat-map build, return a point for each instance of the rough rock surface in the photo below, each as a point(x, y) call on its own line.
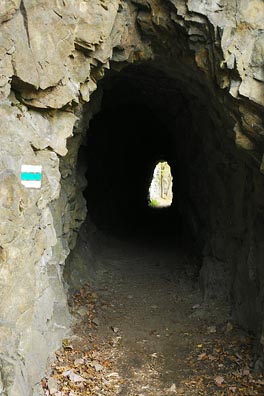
point(52, 53)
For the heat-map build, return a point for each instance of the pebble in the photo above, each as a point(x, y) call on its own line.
point(78, 361)
point(98, 367)
point(211, 329)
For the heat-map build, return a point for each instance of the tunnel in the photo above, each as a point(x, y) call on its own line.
point(164, 273)
point(146, 117)
point(147, 114)
point(125, 141)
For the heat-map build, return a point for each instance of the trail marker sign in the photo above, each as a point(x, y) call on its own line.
point(31, 176)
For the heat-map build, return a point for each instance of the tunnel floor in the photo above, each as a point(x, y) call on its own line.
point(142, 327)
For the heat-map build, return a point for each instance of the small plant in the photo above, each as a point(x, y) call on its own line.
point(154, 203)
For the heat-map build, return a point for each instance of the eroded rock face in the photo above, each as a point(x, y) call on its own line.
point(52, 53)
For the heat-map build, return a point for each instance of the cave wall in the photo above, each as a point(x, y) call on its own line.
point(52, 54)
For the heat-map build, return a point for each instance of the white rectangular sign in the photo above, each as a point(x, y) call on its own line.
point(31, 176)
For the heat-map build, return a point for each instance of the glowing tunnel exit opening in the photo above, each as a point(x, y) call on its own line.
point(160, 191)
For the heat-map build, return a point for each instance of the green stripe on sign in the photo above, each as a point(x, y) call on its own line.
point(31, 176)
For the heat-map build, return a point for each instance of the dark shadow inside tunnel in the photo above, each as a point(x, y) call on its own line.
point(123, 147)
point(145, 118)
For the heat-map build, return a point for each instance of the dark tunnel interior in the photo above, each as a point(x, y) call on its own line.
point(146, 118)
point(124, 146)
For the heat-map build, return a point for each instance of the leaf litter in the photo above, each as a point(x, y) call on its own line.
point(219, 365)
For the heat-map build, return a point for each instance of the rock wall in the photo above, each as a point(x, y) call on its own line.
point(52, 53)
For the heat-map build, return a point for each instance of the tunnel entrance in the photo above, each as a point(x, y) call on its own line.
point(146, 116)
point(159, 281)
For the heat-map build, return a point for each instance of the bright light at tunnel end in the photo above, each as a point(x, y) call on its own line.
point(160, 191)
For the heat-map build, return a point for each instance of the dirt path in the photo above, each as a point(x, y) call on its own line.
point(143, 329)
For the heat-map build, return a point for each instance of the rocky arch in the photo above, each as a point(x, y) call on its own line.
point(53, 54)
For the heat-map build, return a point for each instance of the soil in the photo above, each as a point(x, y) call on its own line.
point(142, 328)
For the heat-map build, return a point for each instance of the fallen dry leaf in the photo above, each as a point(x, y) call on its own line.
point(73, 376)
point(172, 389)
point(219, 381)
point(203, 356)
